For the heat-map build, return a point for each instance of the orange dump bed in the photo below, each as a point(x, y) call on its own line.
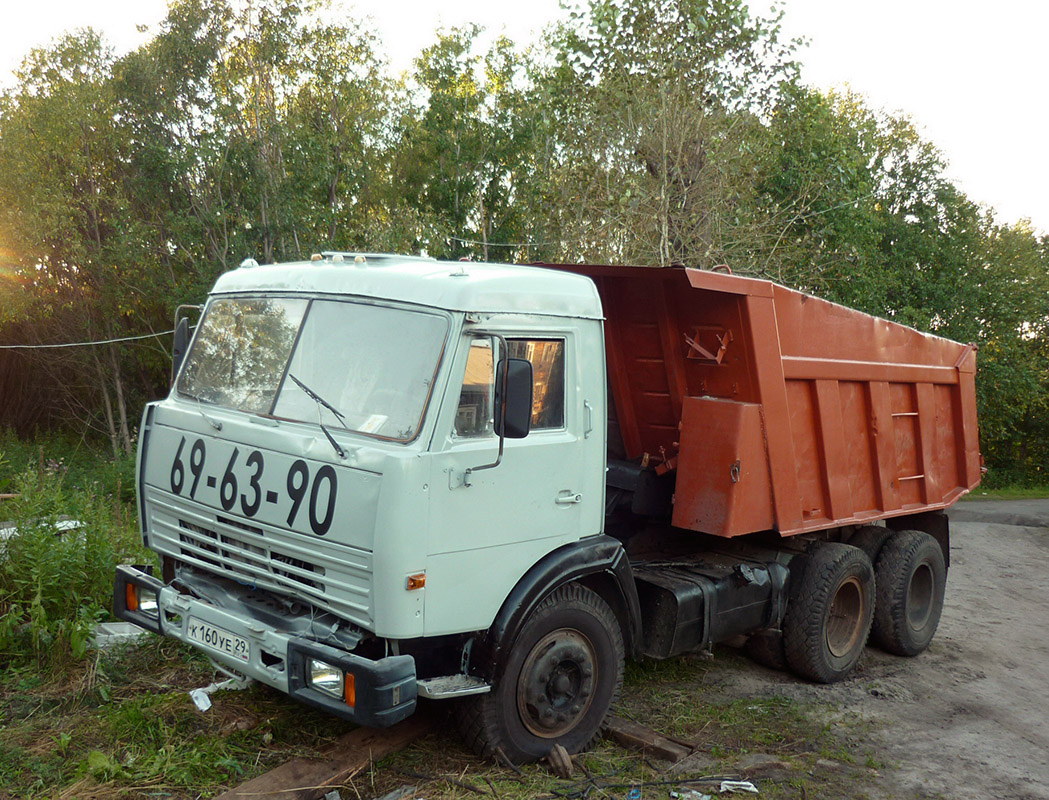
point(781, 411)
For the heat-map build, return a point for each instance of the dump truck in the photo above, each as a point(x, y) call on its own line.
point(380, 478)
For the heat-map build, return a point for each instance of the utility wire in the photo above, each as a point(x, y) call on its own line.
point(499, 244)
point(83, 344)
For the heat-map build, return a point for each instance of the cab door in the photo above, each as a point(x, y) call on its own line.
point(489, 526)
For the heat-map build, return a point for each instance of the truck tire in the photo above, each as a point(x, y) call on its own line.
point(562, 676)
point(911, 577)
point(766, 648)
point(829, 611)
point(870, 539)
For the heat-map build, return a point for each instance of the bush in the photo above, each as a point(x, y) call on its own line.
point(79, 464)
point(55, 584)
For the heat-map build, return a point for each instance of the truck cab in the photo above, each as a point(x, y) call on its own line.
point(327, 477)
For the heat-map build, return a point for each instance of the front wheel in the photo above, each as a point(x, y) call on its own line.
point(563, 675)
point(829, 611)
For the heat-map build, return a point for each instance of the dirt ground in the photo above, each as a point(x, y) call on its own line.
point(969, 718)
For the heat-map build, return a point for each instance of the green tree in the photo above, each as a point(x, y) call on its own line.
point(658, 109)
point(64, 212)
point(816, 190)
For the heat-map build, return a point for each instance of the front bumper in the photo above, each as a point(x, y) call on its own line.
point(385, 688)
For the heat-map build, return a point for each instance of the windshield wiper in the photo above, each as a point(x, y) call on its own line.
point(322, 402)
point(213, 423)
point(310, 393)
point(200, 407)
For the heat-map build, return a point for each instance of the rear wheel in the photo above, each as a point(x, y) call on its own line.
point(829, 611)
point(870, 539)
point(562, 676)
point(911, 578)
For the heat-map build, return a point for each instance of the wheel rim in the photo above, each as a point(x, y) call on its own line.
point(556, 687)
point(920, 594)
point(846, 614)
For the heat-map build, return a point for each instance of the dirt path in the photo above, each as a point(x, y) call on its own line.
point(969, 718)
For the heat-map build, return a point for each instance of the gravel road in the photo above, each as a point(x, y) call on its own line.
point(969, 718)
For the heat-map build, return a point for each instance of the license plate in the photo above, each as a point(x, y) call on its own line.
point(218, 639)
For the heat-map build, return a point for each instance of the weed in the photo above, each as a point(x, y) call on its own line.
point(76, 464)
point(56, 567)
point(123, 724)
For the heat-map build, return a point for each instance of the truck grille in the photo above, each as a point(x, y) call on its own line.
point(333, 577)
point(234, 556)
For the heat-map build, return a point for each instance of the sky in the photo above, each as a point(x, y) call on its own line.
point(972, 75)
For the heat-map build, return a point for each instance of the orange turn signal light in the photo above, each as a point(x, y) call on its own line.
point(416, 581)
point(130, 597)
point(349, 689)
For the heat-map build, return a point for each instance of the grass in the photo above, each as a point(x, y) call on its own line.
point(77, 464)
point(122, 725)
point(56, 584)
point(688, 698)
point(1010, 493)
point(75, 722)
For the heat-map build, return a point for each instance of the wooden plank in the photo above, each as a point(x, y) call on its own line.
point(308, 779)
point(628, 733)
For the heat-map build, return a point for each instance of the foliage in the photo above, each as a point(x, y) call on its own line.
point(121, 723)
point(638, 131)
point(56, 577)
point(655, 112)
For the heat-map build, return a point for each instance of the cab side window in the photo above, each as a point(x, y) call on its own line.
point(474, 416)
point(548, 370)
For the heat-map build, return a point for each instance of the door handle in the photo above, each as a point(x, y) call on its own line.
point(589, 426)
point(568, 497)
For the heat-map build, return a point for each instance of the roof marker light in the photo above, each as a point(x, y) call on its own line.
point(247, 263)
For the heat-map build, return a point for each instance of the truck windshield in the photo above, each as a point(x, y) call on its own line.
point(374, 364)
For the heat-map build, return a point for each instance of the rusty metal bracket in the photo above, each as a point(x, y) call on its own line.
point(698, 352)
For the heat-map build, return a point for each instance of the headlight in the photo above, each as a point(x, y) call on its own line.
point(326, 678)
point(147, 602)
point(333, 681)
point(141, 600)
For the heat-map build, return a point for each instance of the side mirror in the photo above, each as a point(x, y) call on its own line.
point(178, 351)
point(517, 390)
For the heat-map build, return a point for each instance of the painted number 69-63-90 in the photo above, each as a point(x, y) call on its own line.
point(297, 482)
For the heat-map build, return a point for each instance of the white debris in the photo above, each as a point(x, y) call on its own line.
point(61, 526)
point(738, 786)
point(110, 634)
point(200, 696)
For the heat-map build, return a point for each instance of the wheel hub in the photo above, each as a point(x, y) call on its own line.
point(556, 684)
point(846, 614)
point(920, 595)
